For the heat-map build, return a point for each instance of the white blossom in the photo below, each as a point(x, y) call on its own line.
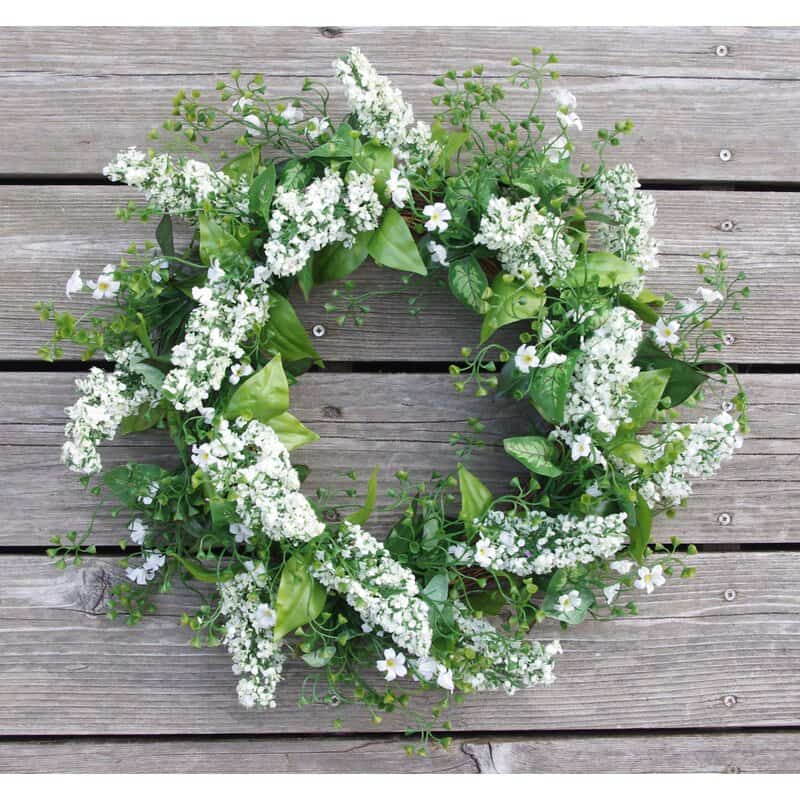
point(138, 530)
point(399, 187)
point(650, 579)
point(666, 332)
point(74, 284)
point(569, 601)
point(709, 295)
point(438, 216)
point(393, 664)
point(526, 358)
point(106, 286)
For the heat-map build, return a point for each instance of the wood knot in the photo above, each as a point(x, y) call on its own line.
point(331, 33)
point(332, 412)
point(97, 581)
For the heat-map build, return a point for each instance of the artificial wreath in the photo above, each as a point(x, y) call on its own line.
point(205, 345)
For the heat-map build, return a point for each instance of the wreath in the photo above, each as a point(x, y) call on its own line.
point(205, 344)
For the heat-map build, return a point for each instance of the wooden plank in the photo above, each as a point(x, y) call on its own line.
point(396, 422)
point(47, 232)
point(707, 752)
point(106, 90)
point(692, 659)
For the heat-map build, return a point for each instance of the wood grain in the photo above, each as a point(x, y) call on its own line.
point(761, 752)
point(691, 659)
point(47, 232)
point(71, 99)
point(397, 421)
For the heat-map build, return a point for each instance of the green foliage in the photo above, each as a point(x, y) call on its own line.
point(475, 497)
point(393, 246)
point(262, 396)
point(468, 283)
point(535, 452)
point(300, 598)
point(509, 302)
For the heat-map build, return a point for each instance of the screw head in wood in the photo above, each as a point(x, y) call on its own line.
point(729, 595)
point(727, 406)
point(729, 339)
point(725, 154)
point(722, 50)
point(318, 330)
point(730, 700)
point(724, 518)
point(727, 225)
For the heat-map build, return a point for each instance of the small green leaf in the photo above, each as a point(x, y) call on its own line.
point(291, 431)
point(646, 390)
point(511, 301)
point(336, 261)
point(262, 396)
point(145, 418)
point(287, 333)
point(549, 388)
point(244, 165)
point(468, 283)
point(361, 516)
point(631, 452)
point(377, 161)
point(640, 525)
point(684, 379)
point(262, 191)
point(535, 452)
point(475, 497)
point(217, 243)
point(164, 236)
point(393, 246)
point(609, 269)
point(300, 598)
point(321, 657)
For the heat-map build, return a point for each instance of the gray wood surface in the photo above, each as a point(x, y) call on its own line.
point(46, 232)
point(691, 659)
point(394, 421)
point(716, 752)
point(113, 90)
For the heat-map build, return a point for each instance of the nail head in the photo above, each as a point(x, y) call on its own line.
point(722, 50)
point(730, 700)
point(725, 154)
point(727, 225)
point(727, 406)
point(729, 595)
point(318, 330)
point(729, 339)
point(724, 518)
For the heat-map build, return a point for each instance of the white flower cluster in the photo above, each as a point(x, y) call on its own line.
point(502, 662)
point(106, 399)
point(147, 570)
point(247, 461)
point(529, 242)
point(537, 544)
point(706, 445)
point(304, 221)
point(215, 331)
point(382, 113)
point(633, 214)
point(256, 656)
point(597, 397)
point(177, 186)
point(384, 593)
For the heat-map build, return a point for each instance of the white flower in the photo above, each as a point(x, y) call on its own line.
point(484, 552)
point(547, 330)
point(445, 678)
point(565, 99)
point(438, 216)
point(709, 295)
point(315, 127)
point(557, 149)
point(293, 114)
point(594, 491)
point(666, 332)
point(649, 579)
point(203, 456)
point(399, 187)
point(264, 617)
point(622, 567)
point(553, 358)
point(75, 283)
point(241, 533)
point(208, 413)
point(567, 104)
point(147, 499)
point(581, 446)
point(438, 253)
point(254, 121)
point(239, 371)
point(105, 287)
point(215, 273)
point(569, 602)
point(138, 530)
point(427, 666)
point(366, 628)
point(526, 359)
point(688, 306)
point(611, 592)
point(457, 551)
point(393, 664)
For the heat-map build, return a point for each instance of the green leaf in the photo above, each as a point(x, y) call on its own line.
point(321, 657)
point(262, 191)
point(393, 246)
point(300, 598)
point(640, 525)
point(549, 388)
point(361, 516)
point(646, 390)
point(377, 161)
point(576, 615)
point(128, 482)
point(244, 165)
point(475, 497)
point(684, 378)
point(489, 602)
point(199, 572)
point(342, 145)
point(294, 174)
point(511, 301)
point(262, 396)
point(336, 261)
point(217, 243)
point(291, 431)
point(145, 418)
point(643, 311)
point(223, 512)
point(436, 590)
point(287, 333)
point(164, 236)
point(606, 267)
point(305, 278)
point(535, 452)
point(631, 452)
point(468, 283)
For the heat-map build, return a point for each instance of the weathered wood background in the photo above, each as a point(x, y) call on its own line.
point(705, 679)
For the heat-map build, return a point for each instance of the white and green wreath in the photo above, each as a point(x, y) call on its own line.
point(205, 345)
